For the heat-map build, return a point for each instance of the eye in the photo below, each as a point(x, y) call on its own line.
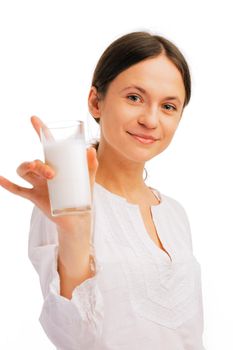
point(134, 97)
point(170, 107)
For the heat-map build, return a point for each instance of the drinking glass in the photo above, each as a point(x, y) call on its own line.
point(64, 149)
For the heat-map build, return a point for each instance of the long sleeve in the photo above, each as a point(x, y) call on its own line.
point(70, 324)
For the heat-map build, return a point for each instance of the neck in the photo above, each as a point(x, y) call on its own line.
point(121, 176)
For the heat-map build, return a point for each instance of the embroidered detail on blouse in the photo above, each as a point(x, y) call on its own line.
point(165, 294)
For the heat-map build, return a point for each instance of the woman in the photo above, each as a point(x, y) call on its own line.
point(123, 276)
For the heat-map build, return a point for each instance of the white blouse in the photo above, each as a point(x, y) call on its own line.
point(140, 298)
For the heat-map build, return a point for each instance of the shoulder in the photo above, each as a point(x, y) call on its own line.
point(175, 206)
point(169, 202)
point(174, 203)
point(175, 212)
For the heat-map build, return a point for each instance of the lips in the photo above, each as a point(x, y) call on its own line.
point(143, 136)
point(145, 139)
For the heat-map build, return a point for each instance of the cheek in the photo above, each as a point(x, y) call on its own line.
point(114, 119)
point(111, 126)
point(169, 128)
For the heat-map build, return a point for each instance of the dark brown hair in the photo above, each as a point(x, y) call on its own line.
point(130, 49)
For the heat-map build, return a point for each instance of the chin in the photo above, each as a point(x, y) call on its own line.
point(139, 157)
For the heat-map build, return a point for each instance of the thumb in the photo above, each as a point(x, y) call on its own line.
point(92, 164)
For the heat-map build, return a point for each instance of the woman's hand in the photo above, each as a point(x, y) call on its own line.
point(37, 173)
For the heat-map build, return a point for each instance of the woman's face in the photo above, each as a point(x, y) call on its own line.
point(147, 99)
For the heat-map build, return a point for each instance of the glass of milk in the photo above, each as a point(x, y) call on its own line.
point(65, 151)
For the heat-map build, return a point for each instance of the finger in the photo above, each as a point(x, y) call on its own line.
point(39, 125)
point(31, 177)
point(92, 164)
point(92, 159)
point(15, 189)
point(36, 168)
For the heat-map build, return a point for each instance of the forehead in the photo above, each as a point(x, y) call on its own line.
point(155, 75)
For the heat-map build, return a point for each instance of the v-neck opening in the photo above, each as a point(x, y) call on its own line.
point(151, 243)
point(164, 250)
point(153, 208)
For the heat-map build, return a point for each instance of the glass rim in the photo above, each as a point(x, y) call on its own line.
point(61, 124)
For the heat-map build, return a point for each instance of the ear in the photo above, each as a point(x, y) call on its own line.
point(94, 103)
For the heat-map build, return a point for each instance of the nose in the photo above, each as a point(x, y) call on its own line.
point(150, 118)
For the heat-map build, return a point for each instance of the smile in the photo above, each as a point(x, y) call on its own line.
point(142, 140)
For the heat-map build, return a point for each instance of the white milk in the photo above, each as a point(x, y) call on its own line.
point(70, 187)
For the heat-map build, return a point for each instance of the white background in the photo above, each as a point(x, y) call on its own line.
point(48, 51)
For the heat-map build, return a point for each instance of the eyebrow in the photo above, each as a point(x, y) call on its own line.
point(144, 92)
